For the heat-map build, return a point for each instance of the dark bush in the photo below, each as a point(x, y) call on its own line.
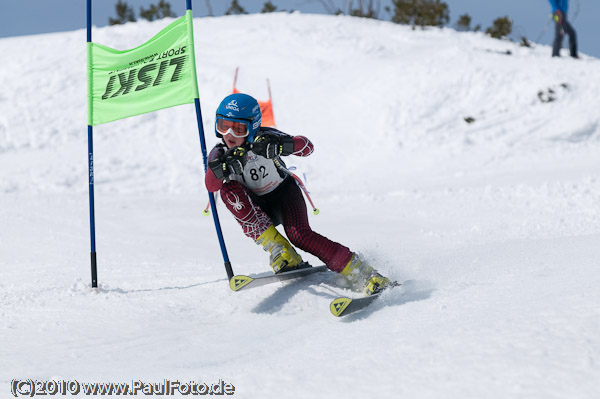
point(268, 7)
point(235, 8)
point(420, 12)
point(464, 22)
point(124, 14)
point(500, 28)
point(159, 11)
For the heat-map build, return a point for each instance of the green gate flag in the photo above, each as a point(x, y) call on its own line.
point(160, 73)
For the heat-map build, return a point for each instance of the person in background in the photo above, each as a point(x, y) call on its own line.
point(562, 26)
point(248, 170)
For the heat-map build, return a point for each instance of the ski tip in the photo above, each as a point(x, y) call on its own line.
point(338, 305)
point(238, 282)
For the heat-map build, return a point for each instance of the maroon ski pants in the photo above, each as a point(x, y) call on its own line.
point(285, 205)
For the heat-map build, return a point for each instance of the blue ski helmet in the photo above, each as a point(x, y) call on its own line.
point(239, 107)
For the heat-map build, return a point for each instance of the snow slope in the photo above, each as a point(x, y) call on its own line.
point(495, 223)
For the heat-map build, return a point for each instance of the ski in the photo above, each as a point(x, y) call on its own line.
point(239, 282)
point(342, 306)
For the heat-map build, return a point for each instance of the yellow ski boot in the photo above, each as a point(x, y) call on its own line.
point(364, 277)
point(284, 257)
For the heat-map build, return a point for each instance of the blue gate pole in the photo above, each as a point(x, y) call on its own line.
point(91, 161)
point(211, 197)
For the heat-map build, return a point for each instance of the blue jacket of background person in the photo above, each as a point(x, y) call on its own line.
point(562, 5)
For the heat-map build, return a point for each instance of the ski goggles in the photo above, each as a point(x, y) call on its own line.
point(238, 129)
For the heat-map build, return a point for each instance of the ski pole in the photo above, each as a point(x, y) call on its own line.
point(544, 30)
point(282, 168)
point(316, 211)
point(576, 13)
point(206, 211)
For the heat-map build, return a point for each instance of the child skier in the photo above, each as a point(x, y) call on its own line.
point(260, 194)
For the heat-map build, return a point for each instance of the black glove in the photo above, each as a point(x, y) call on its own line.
point(230, 162)
point(270, 145)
